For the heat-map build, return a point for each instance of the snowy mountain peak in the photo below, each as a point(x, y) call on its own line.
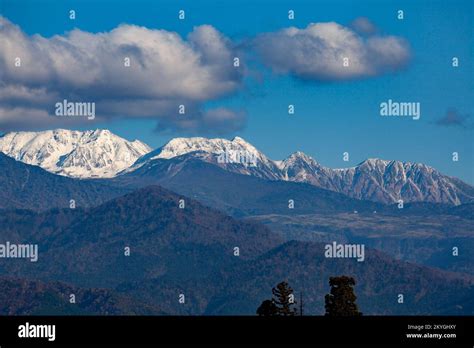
point(377, 163)
point(298, 166)
point(299, 156)
point(236, 155)
point(374, 162)
point(88, 154)
point(240, 141)
point(180, 146)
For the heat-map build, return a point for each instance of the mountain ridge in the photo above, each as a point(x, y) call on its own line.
point(25, 186)
point(374, 179)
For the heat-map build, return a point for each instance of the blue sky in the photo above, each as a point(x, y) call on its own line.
point(331, 117)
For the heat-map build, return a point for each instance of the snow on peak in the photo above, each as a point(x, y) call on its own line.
point(381, 164)
point(238, 155)
point(373, 162)
point(180, 146)
point(300, 155)
point(240, 140)
point(88, 154)
point(297, 158)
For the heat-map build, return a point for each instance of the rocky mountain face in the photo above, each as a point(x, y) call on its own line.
point(89, 154)
point(381, 181)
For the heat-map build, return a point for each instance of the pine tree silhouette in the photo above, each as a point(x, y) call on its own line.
point(341, 301)
point(284, 299)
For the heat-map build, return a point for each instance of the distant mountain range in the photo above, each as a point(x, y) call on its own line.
point(420, 232)
point(374, 179)
point(101, 154)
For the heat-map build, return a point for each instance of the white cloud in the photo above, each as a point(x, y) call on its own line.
point(166, 71)
point(317, 52)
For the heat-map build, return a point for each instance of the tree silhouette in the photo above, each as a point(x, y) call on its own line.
point(283, 302)
point(341, 301)
point(284, 299)
point(267, 309)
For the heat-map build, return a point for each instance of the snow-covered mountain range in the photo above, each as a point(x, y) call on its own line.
point(374, 179)
point(381, 181)
point(100, 153)
point(89, 154)
point(252, 161)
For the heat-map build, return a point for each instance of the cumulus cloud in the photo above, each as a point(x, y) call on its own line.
point(317, 52)
point(165, 71)
point(453, 118)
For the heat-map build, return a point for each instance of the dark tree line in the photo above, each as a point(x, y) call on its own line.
point(341, 301)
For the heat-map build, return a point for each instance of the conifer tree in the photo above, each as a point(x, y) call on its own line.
point(341, 302)
point(284, 299)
